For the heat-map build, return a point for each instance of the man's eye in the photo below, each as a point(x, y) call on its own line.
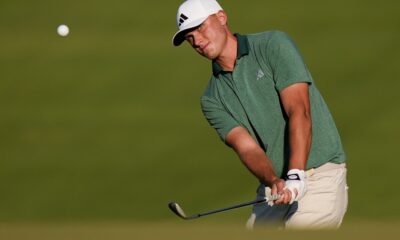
point(189, 39)
point(201, 27)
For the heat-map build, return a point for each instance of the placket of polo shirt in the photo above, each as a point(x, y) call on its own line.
point(228, 78)
point(240, 90)
point(238, 81)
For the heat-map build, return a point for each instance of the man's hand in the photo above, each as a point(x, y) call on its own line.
point(279, 188)
point(295, 183)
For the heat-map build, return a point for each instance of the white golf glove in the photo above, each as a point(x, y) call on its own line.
point(295, 183)
point(269, 197)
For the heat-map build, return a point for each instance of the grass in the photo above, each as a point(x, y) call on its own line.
point(187, 230)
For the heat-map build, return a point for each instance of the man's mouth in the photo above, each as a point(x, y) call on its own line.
point(204, 47)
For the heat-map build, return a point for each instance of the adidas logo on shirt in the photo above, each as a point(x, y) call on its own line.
point(260, 74)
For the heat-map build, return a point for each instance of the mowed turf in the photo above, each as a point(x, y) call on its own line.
point(194, 231)
point(105, 125)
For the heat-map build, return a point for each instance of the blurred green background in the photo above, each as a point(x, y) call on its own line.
point(105, 124)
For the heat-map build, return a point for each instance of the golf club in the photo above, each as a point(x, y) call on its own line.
point(180, 213)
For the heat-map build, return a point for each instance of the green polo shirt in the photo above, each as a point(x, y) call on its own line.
point(267, 63)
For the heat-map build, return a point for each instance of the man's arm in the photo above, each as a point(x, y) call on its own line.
point(254, 158)
point(296, 103)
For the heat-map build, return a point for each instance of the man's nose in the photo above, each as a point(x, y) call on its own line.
point(197, 39)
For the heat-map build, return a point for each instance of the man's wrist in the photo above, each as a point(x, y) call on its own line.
point(295, 174)
point(271, 180)
point(295, 164)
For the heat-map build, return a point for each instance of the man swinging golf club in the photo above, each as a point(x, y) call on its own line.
point(264, 104)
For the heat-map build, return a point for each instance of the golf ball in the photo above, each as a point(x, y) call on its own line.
point(63, 30)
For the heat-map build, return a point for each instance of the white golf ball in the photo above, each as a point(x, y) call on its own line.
point(63, 30)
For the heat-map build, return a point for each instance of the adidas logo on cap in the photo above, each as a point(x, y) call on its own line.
point(182, 19)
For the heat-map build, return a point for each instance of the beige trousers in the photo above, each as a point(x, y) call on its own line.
point(323, 206)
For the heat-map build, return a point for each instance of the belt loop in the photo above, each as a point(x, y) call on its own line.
point(310, 172)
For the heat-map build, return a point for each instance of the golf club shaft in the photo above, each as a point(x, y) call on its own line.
point(229, 208)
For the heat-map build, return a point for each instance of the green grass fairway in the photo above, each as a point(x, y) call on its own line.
point(186, 230)
point(105, 125)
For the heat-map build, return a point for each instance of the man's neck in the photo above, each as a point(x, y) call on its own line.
point(228, 56)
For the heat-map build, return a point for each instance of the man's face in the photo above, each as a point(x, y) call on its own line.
point(209, 38)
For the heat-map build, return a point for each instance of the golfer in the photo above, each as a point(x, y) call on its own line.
point(264, 104)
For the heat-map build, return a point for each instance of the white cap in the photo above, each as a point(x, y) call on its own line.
point(191, 14)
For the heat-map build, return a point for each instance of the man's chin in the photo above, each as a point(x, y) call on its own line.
point(209, 56)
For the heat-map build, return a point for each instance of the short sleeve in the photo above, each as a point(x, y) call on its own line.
point(286, 62)
point(218, 117)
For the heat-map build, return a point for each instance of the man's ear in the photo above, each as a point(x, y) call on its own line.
point(222, 18)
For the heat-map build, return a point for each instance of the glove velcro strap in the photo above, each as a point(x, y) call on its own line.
point(293, 176)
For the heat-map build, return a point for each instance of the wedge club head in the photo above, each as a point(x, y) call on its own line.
point(179, 211)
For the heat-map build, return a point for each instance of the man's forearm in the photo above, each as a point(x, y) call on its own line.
point(259, 164)
point(296, 103)
point(255, 159)
point(300, 134)
point(252, 155)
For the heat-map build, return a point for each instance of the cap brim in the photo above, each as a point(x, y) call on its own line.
point(179, 37)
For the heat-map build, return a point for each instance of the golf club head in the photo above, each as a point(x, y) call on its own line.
point(177, 210)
